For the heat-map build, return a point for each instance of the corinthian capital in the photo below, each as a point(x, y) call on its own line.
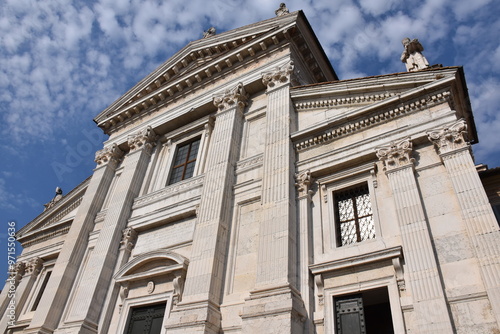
point(280, 74)
point(110, 154)
point(303, 182)
point(143, 139)
point(16, 271)
point(33, 266)
point(449, 138)
point(233, 97)
point(396, 154)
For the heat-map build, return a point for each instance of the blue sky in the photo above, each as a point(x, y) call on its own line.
point(62, 62)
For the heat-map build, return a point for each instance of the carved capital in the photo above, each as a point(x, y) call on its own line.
point(449, 138)
point(16, 271)
point(303, 182)
point(33, 266)
point(110, 154)
point(231, 98)
point(143, 139)
point(129, 237)
point(396, 154)
point(279, 75)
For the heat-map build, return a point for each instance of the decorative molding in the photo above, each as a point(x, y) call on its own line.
point(44, 236)
point(231, 98)
point(303, 182)
point(143, 139)
point(63, 212)
point(151, 287)
point(249, 163)
point(165, 192)
point(369, 120)
point(108, 155)
point(279, 75)
point(449, 138)
point(396, 154)
point(178, 287)
point(342, 101)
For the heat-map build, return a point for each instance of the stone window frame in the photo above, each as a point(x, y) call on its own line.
point(26, 312)
point(326, 292)
point(161, 167)
point(340, 181)
point(177, 266)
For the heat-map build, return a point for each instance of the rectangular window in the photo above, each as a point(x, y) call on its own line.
point(40, 292)
point(354, 215)
point(184, 161)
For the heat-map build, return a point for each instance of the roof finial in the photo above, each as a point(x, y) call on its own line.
point(282, 10)
point(209, 32)
point(412, 55)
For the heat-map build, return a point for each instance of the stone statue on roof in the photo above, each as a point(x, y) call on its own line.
point(209, 32)
point(412, 55)
point(56, 199)
point(282, 10)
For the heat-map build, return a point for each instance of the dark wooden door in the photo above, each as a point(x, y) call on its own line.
point(146, 319)
point(350, 315)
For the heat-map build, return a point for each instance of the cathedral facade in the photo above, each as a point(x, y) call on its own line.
point(244, 188)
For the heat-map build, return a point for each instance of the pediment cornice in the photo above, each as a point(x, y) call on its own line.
point(382, 108)
point(201, 61)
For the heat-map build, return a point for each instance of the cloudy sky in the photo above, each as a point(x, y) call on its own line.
point(62, 62)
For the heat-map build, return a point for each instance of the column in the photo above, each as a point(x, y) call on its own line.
point(479, 219)
point(429, 301)
point(84, 311)
point(52, 304)
point(129, 237)
point(199, 308)
point(303, 184)
point(275, 302)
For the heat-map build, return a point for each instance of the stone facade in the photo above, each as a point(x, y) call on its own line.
point(245, 189)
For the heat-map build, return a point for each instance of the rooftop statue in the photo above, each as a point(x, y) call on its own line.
point(56, 199)
point(412, 55)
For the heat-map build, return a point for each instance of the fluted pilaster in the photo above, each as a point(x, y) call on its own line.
point(203, 285)
point(91, 293)
point(480, 222)
point(424, 279)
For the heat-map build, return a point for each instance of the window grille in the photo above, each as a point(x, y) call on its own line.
point(184, 161)
point(353, 212)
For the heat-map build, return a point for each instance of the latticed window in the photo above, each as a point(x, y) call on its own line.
point(184, 161)
point(354, 216)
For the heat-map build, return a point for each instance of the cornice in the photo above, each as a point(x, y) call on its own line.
point(343, 127)
point(69, 202)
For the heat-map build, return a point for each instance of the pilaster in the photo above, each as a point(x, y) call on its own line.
point(479, 219)
point(129, 237)
point(431, 311)
point(199, 308)
point(15, 275)
point(304, 183)
point(52, 304)
point(275, 302)
point(85, 308)
point(24, 276)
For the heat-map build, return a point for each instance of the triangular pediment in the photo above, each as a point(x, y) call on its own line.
point(202, 60)
point(332, 110)
point(56, 219)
